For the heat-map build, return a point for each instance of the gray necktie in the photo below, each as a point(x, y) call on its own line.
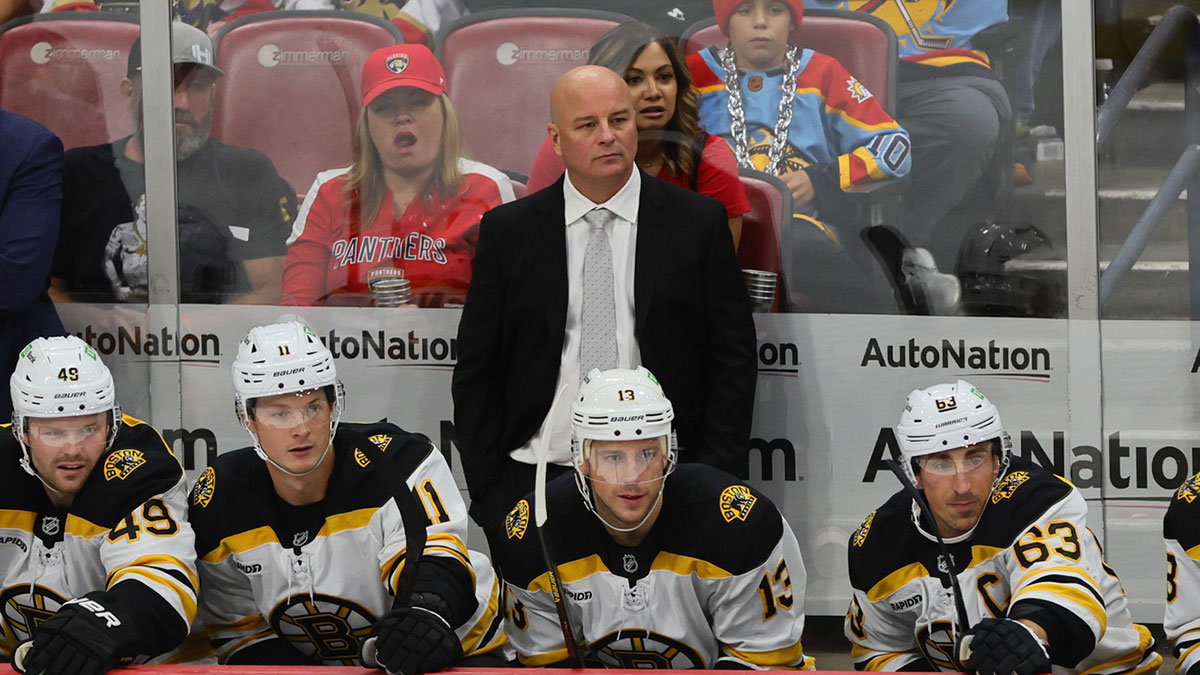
point(598, 347)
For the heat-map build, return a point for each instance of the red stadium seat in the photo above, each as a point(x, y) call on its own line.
point(762, 228)
point(501, 65)
point(866, 45)
point(65, 71)
point(292, 86)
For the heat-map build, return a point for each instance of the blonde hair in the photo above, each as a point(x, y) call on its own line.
point(365, 186)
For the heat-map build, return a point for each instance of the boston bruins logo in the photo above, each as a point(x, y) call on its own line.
point(860, 535)
point(1009, 485)
point(25, 608)
point(121, 463)
point(633, 649)
point(1189, 490)
point(758, 144)
point(736, 502)
point(326, 627)
point(202, 493)
point(517, 520)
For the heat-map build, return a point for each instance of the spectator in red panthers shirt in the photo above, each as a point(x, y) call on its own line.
point(409, 200)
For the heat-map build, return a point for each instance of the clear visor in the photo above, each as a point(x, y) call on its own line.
point(945, 466)
point(61, 434)
point(281, 413)
point(626, 465)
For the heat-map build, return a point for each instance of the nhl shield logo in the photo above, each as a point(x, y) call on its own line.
point(629, 562)
point(397, 63)
point(50, 525)
point(300, 538)
point(942, 566)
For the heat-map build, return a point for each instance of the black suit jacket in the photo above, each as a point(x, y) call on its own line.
point(693, 326)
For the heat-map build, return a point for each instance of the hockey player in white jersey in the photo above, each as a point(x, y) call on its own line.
point(1037, 593)
point(661, 566)
point(1181, 529)
point(302, 538)
point(96, 557)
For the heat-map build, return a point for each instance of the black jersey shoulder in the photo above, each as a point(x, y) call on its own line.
point(572, 532)
point(710, 515)
point(233, 495)
point(359, 480)
point(138, 466)
point(1182, 522)
point(885, 541)
point(1021, 497)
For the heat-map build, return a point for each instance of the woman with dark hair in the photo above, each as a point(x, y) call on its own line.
point(410, 200)
point(671, 144)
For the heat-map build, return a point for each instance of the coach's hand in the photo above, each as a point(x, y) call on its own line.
point(1004, 646)
point(414, 640)
point(84, 637)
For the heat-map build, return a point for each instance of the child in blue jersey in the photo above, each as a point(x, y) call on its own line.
point(798, 114)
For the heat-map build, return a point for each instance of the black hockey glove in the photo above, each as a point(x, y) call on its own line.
point(84, 637)
point(1004, 646)
point(413, 640)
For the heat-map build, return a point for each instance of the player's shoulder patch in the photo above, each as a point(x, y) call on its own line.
point(1189, 491)
point(137, 466)
point(205, 488)
point(859, 538)
point(736, 502)
point(517, 520)
point(1020, 498)
point(1008, 485)
point(710, 515)
point(1182, 520)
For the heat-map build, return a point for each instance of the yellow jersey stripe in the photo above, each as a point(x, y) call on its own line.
point(1072, 593)
point(686, 566)
point(896, 580)
point(537, 660)
point(240, 543)
point(471, 640)
point(13, 519)
point(1194, 552)
point(1133, 657)
point(780, 659)
point(568, 572)
point(160, 561)
point(1186, 653)
point(186, 596)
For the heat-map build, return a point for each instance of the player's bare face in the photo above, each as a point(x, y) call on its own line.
point(64, 450)
point(293, 429)
point(626, 479)
point(406, 127)
point(758, 31)
point(651, 80)
point(595, 132)
point(957, 484)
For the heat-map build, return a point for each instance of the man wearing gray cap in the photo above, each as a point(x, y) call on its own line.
point(234, 209)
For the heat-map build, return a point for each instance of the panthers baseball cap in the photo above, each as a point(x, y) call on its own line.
point(724, 9)
point(401, 66)
point(188, 45)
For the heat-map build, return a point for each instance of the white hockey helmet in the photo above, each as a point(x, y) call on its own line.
point(61, 377)
point(283, 358)
point(946, 417)
point(620, 405)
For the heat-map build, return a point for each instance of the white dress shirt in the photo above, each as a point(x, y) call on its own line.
point(622, 236)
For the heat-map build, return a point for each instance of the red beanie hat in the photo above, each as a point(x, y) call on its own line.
point(724, 9)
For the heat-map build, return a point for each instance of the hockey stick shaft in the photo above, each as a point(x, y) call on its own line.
point(962, 650)
point(540, 516)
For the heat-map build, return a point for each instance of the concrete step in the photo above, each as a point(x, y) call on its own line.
point(1150, 133)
